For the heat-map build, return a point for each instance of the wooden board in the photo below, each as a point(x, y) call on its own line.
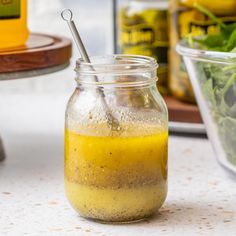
point(40, 51)
point(182, 112)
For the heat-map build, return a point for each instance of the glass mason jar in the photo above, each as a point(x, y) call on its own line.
point(116, 139)
point(185, 20)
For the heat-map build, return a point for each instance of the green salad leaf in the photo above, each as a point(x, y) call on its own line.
point(231, 42)
point(225, 40)
point(227, 131)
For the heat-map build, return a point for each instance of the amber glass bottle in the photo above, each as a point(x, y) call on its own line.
point(13, 23)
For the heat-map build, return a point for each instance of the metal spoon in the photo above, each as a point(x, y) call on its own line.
point(67, 16)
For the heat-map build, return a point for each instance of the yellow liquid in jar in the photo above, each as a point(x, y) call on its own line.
point(116, 178)
point(14, 32)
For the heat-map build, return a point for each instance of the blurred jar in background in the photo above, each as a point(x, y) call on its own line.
point(142, 30)
point(13, 23)
point(185, 20)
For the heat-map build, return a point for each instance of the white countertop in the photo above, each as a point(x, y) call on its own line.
point(201, 198)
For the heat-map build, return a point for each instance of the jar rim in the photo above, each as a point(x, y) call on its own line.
point(141, 61)
point(117, 65)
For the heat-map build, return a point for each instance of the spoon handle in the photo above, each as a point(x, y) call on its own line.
point(67, 16)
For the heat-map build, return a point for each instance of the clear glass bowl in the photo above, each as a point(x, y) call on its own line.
point(213, 77)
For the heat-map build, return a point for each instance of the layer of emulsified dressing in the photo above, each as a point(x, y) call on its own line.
point(116, 178)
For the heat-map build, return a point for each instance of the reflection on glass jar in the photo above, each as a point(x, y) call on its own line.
point(116, 175)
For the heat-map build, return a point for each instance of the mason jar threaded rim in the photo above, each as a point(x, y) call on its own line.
point(117, 65)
